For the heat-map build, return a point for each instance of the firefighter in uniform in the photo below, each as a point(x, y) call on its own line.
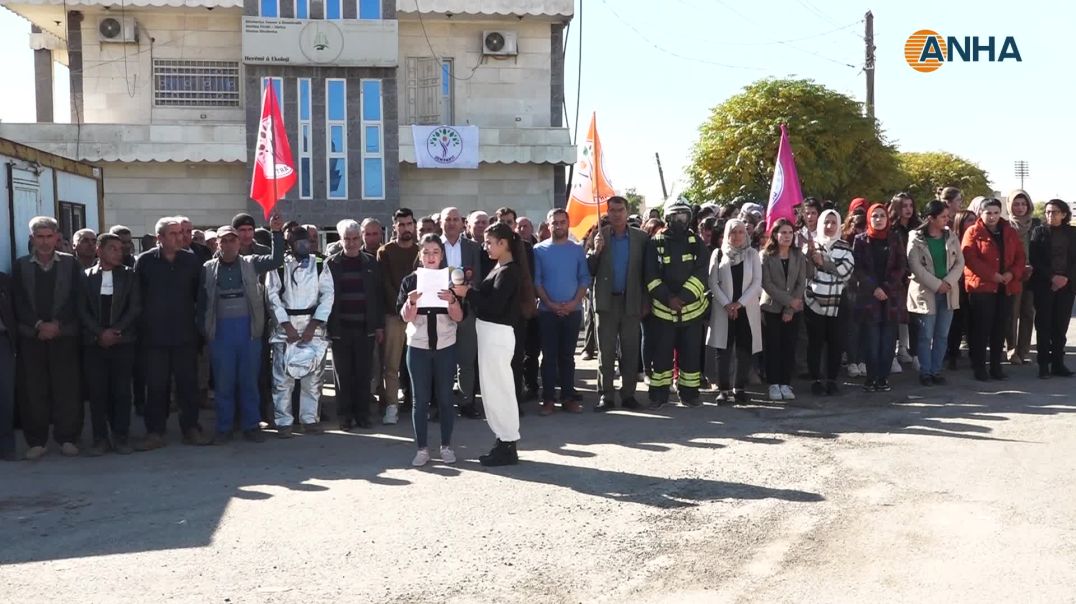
point(675, 274)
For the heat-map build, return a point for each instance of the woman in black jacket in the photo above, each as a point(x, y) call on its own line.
point(496, 305)
point(1053, 264)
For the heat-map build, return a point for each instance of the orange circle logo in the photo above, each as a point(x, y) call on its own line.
point(913, 50)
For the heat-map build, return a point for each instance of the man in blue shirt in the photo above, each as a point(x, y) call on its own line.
point(561, 279)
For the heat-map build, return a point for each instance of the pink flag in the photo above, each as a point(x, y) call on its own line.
point(785, 193)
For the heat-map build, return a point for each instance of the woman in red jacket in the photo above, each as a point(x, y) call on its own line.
point(994, 263)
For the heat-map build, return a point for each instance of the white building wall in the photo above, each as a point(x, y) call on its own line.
point(526, 188)
point(503, 92)
point(79, 189)
point(118, 78)
point(210, 194)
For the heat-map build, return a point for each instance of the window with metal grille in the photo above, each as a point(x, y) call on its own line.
point(195, 83)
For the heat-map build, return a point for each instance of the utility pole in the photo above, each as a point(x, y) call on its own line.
point(1021, 171)
point(661, 175)
point(868, 65)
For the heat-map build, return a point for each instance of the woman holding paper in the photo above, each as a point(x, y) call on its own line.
point(496, 304)
point(431, 317)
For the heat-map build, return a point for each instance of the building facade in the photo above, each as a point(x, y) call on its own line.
point(166, 97)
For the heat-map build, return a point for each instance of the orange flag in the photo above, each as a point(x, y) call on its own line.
point(590, 187)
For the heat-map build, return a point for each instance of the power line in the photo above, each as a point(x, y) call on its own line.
point(785, 43)
point(433, 52)
point(671, 53)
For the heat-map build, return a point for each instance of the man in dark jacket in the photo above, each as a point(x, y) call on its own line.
point(46, 287)
point(356, 324)
point(109, 305)
point(168, 276)
point(8, 328)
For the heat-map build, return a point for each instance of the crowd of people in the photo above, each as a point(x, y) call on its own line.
point(705, 298)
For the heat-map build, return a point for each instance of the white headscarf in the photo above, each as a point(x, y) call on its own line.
point(734, 254)
point(820, 237)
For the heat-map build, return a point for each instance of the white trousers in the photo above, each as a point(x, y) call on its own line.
point(496, 345)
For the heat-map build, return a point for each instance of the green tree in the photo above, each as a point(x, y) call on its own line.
point(840, 154)
point(920, 175)
point(636, 200)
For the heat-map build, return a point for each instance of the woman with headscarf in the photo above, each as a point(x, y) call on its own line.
point(994, 264)
point(881, 264)
point(1022, 320)
point(735, 317)
point(833, 264)
point(1053, 262)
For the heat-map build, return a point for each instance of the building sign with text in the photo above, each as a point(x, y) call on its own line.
point(343, 43)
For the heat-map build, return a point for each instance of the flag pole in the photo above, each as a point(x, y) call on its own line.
point(272, 132)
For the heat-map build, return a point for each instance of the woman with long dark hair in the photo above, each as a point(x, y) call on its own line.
point(431, 351)
point(936, 264)
point(784, 278)
point(961, 325)
point(880, 303)
point(1053, 262)
point(496, 304)
point(903, 221)
point(854, 224)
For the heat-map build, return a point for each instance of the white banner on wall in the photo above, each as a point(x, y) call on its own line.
point(343, 43)
point(446, 146)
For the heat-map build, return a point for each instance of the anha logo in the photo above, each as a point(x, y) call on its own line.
point(445, 145)
point(926, 50)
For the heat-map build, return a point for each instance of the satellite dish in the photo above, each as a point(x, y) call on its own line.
point(110, 28)
point(494, 41)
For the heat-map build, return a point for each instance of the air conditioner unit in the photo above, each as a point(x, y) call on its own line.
point(499, 43)
point(121, 30)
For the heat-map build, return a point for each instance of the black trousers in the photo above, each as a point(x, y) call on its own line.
point(681, 339)
point(532, 349)
point(823, 332)
point(779, 342)
point(352, 353)
point(51, 390)
point(989, 314)
point(1052, 313)
point(108, 374)
point(738, 347)
point(163, 365)
point(961, 324)
point(7, 395)
point(520, 329)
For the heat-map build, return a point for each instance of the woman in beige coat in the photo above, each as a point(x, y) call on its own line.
point(936, 264)
point(735, 316)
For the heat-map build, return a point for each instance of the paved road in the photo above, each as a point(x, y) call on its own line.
point(953, 494)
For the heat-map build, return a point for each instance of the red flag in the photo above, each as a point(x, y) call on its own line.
point(274, 170)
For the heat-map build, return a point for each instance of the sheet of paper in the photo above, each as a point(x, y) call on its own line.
point(430, 283)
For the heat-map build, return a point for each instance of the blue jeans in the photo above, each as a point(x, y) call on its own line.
point(881, 347)
point(559, 337)
point(934, 336)
point(432, 374)
point(236, 359)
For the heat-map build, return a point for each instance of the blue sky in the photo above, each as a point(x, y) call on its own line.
point(653, 70)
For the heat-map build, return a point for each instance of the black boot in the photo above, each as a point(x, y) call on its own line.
point(502, 454)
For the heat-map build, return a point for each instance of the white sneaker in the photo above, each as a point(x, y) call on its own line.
point(905, 356)
point(392, 415)
point(775, 392)
point(786, 393)
point(421, 458)
point(853, 370)
point(862, 369)
point(448, 455)
point(896, 368)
